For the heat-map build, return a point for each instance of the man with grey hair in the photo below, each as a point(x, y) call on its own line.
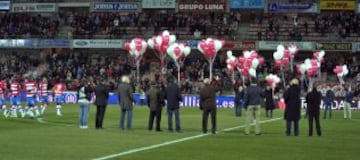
point(254, 95)
point(208, 105)
point(126, 100)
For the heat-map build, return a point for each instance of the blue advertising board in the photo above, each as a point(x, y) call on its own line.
point(115, 7)
point(5, 5)
point(53, 43)
point(247, 4)
point(293, 7)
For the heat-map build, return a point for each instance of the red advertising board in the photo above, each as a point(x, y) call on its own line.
point(201, 7)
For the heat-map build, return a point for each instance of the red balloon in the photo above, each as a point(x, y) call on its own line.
point(285, 61)
point(177, 51)
point(165, 40)
point(127, 46)
point(261, 60)
point(278, 63)
point(287, 53)
point(270, 82)
point(245, 72)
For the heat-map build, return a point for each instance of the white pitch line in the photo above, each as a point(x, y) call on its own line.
point(175, 141)
point(40, 120)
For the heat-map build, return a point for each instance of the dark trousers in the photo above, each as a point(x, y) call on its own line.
point(100, 112)
point(155, 114)
point(317, 124)
point(269, 113)
point(205, 120)
point(176, 113)
point(327, 108)
point(296, 127)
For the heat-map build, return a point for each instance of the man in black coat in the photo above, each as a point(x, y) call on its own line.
point(293, 107)
point(313, 100)
point(102, 95)
point(173, 97)
point(154, 99)
point(208, 105)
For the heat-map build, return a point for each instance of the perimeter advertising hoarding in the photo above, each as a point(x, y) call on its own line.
point(5, 5)
point(272, 45)
point(293, 7)
point(158, 4)
point(337, 5)
point(201, 7)
point(97, 43)
point(115, 7)
point(33, 7)
point(247, 4)
point(335, 46)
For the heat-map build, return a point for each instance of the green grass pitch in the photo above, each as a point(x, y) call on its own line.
point(60, 138)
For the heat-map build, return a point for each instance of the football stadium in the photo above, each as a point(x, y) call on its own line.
point(179, 79)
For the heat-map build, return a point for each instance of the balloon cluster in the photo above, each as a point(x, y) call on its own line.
point(162, 42)
point(341, 71)
point(248, 63)
point(178, 51)
point(136, 47)
point(210, 47)
point(231, 61)
point(272, 80)
point(319, 55)
point(311, 67)
point(284, 55)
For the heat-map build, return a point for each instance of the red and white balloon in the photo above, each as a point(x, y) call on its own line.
point(210, 47)
point(272, 80)
point(162, 42)
point(178, 51)
point(136, 47)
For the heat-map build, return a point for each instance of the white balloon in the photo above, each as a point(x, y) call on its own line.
point(132, 46)
point(302, 68)
point(150, 43)
point(166, 33)
point(199, 48)
point(255, 63)
point(307, 63)
point(252, 72)
point(280, 48)
point(247, 54)
point(278, 55)
point(345, 70)
point(229, 54)
point(187, 50)
point(322, 53)
point(158, 40)
point(292, 49)
point(172, 39)
point(218, 45)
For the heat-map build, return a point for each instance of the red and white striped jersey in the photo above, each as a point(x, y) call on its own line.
point(2, 89)
point(59, 88)
point(30, 88)
point(15, 89)
point(43, 88)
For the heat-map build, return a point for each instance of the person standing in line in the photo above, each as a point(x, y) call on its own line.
point(154, 101)
point(84, 98)
point(173, 97)
point(3, 93)
point(254, 95)
point(269, 101)
point(313, 100)
point(58, 90)
point(102, 94)
point(328, 101)
point(15, 89)
point(349, 96)
point(126, 101)
point(239, 99)
point(293, 107)
point(208, 105)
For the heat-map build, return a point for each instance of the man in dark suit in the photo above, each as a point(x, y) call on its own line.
point(313, 100)
point(102, 95)
point(154, 98)
point(293, 107)
point(173, 97)
point(126, 101)
point(208, 105)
